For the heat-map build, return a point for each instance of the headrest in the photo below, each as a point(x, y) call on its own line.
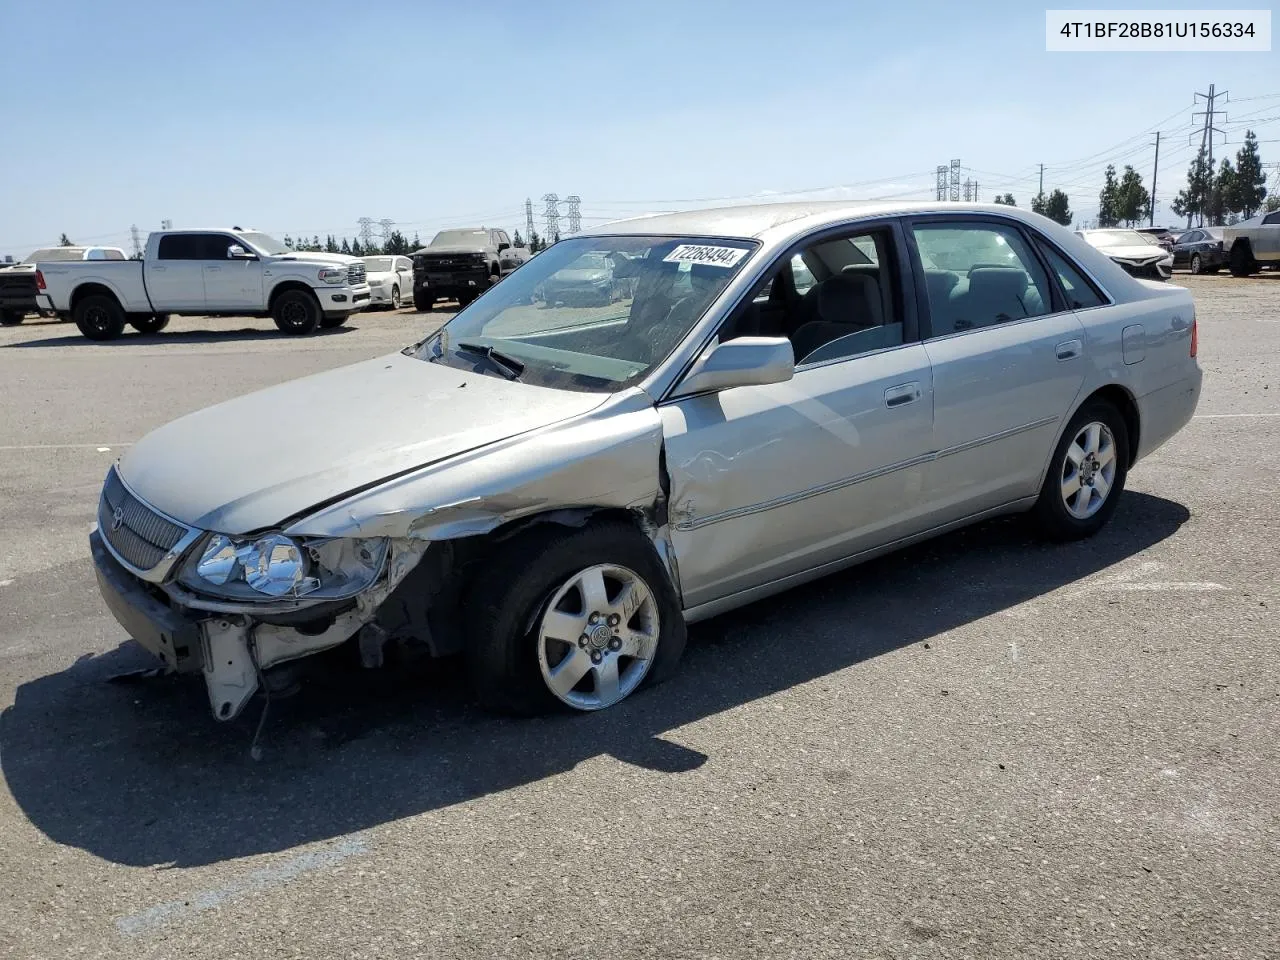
point(1004, 281)
point(849, 298)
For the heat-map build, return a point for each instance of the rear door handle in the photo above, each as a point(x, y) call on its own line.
point(901, 394)
point(1069, 349)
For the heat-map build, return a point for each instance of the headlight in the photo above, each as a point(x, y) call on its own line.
point(333, 275)
point(277, 566)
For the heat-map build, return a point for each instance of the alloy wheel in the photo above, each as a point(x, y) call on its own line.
point(598, 636)
point(1088, 470)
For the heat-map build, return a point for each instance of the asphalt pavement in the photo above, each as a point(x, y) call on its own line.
point(984, 746)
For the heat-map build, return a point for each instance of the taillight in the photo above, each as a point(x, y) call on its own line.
point(39, 280)
point(1195, 337)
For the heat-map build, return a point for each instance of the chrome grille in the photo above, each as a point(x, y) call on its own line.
point(356, 274)
point(136, 532)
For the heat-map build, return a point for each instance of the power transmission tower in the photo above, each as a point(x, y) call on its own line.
point(552, 216)
point(366, 230)
point(528, 220)
point(942, 181)
point(386, 226)
point(137, 242)
point(955, 181)
point(968, 190)
point(575, 212)
point(1206, 135)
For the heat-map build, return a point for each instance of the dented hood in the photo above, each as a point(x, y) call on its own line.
point(252, 462)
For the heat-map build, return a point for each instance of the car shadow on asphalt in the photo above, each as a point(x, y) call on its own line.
point(137, 771)
point(131, 338)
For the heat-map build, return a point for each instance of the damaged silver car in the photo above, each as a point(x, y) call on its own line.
point(556, 490)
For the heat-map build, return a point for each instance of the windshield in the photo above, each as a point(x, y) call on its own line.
point(1120, 238)
point(463, 238)
point(596, 334)
point(265, 244)
point(377, 264)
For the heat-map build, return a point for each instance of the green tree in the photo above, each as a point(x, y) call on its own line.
point(536, 242)
point(1222, 188)
point(517, 240)
point(1006, 200)
point(65, 241)
point(1039, 204)
point(396, 243)
point(1109, 199)
point(345, 248)
point(1249, 187)
point(288, 241)
point(417, 243)
point(1058, 208)
point(330, 244)
point(1272, 203)
point(1133, 202)
point(1192, 199)
point(356, 249)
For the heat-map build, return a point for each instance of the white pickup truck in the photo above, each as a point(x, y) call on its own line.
point(205, 273)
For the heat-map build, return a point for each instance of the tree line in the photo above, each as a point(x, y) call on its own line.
point(1232, 193)
point(396, 243)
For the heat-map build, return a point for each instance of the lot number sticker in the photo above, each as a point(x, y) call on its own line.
point(708, 256)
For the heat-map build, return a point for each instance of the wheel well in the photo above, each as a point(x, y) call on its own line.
point(1122, 400)
point(287, 286)
point(1242, 243)
point(91, 290)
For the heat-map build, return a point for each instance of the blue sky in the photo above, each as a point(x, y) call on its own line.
point(302, 117)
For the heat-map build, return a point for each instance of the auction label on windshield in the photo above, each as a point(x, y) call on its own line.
point(706, 255)
point(1157, 31)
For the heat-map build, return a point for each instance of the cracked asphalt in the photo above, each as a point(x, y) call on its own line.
point(981, 747)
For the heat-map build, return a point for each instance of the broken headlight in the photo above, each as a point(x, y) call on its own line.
point(273, 566)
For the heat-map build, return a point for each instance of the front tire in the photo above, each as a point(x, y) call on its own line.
point(423, 302)
point(1242, 263)
point(1086, 475)
point(578, 619)
point(152, 324)
point(99, 317)
point(395, 298)
point(1197, 265)
point(296, 313)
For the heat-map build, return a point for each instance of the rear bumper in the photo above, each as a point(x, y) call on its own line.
point(170, 635)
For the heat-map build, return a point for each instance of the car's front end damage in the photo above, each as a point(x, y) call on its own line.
point(385, 561)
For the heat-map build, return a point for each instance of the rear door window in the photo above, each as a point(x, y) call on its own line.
point(181, 246)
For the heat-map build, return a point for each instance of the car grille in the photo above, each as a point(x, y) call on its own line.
point(451, 263)
point(137, 533)
point(356, 274)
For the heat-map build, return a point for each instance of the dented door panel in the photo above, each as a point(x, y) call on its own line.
point(767, 481)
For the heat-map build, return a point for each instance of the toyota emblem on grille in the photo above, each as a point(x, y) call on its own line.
point(117, 519)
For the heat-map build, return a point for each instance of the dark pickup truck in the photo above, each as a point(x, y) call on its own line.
point(462, 264)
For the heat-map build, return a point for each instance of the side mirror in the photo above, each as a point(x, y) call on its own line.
point(503, 246)
point(741, 362)
point(237, 252)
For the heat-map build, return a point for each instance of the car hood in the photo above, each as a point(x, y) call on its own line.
point(309, 256)
point(1136, 252)
point(455, 248)
point(382, 276)
point(252, 462)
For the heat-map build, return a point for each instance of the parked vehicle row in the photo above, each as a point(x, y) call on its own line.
point(597, 475)
point(19, 291)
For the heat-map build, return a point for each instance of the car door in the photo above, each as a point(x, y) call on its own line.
point(175, 278)
point(769, 482)
point(1186, 246)
point(1269, 235)
point(230, 283)
point(404, 275)
point(1007, 355)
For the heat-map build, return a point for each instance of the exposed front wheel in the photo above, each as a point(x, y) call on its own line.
point(577, 618)
point(1086, 475)
point(296, 312)
point(151, 324)
point(99, 317)
point(1242, 263)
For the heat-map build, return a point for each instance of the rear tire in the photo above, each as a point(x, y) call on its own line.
point(1093, 450)
point(509, 601)
point(296, 313)
point(1242, 263)
point(1197, 265)
point(152, 324)
point(422, 302)
point(99, 317)
point(11, 318)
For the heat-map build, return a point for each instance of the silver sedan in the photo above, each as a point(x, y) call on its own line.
point(555, 490)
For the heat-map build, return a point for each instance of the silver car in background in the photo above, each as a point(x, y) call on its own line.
point(555, 490)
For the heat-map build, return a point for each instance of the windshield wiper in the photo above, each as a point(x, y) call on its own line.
point(506, 363)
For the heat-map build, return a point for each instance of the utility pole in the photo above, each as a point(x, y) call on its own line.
point(1042, 179)
point(1155, 168)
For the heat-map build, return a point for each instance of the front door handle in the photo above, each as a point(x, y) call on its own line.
point(901, 394)
point(1069, 349)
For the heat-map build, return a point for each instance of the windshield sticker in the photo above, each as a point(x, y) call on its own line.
point(708, 256)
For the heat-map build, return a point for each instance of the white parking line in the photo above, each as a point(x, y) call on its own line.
point(66, 446)
point(153, 918)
